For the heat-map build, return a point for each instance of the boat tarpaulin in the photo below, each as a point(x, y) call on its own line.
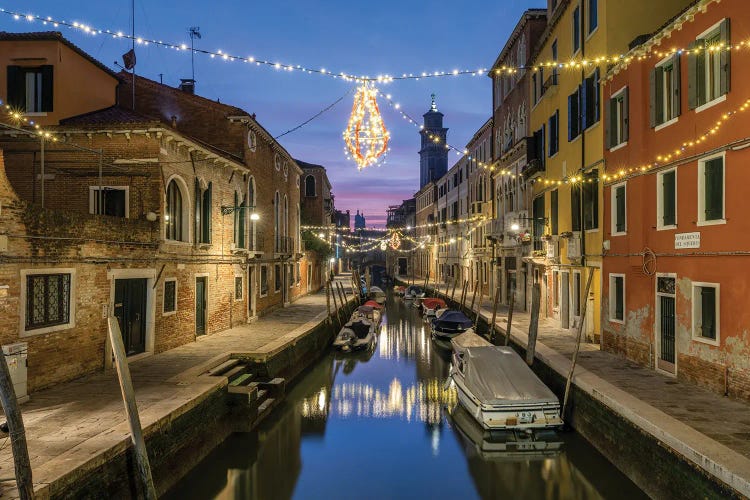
point(373, 304)
point(376, 291)
point(497, 375)
point(452, 321)
point(433, 303)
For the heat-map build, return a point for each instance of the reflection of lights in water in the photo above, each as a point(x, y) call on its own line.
point(435, 442)
point(322, 399)
point(403, 340)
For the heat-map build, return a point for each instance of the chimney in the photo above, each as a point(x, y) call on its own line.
point(187, 85)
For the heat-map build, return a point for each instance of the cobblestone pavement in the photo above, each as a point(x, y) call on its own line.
point(70, 423)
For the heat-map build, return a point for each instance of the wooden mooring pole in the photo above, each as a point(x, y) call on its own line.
point(131, 409)
point(16, 433)
point(335, 303)
point(473, 299)
point(494, 316)
point(328, 302)
point(578, 343)
point(453, 293)
point(464, 294)
point(510, 315)
point(536, 293)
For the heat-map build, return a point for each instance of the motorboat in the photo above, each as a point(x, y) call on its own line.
point(413, 292)
point(377, 294)
point(431, 305)
point(449, 324)
point(370, 313)
point(500, 391)
point(399, 289)
point(374, 305)
point(356, 335)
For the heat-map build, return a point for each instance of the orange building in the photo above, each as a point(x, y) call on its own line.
point(677, 235)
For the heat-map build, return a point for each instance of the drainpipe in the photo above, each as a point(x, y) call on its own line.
point(583, 141)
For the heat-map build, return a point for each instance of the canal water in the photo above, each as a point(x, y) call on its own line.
point(382, 425)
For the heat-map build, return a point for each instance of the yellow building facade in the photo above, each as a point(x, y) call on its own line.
point(567, 127)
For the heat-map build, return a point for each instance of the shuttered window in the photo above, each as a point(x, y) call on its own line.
point(30, 89)
point(589, 91)
point(574, 114)
point(706, 311)
point(576, 31)
point(616, 119)
point(590, 188)
point(553, 212)
point(709, 70)
point(713, 190)
point(616, 297)
point(554, 133)
point(664, 95)
point(668, 212)
point(575, 207)
point(618, 209)
point(170, 295)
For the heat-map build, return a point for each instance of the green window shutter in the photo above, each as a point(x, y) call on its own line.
point(708, 312)
point(625, 115)
point(610, 123)
point(668, 198)
point(16, 87)
point(47, 88)
point(675, 86)
point(656, 96)
point(696, 74)
point(619, 298)
point(553, 212)
point(575, 207)
point(236, 218)
point(597, 96)
point(197, 228)
point(724, 75)
point(206, 213)
point(241, 225)
point(713, 171)
point(620, 207)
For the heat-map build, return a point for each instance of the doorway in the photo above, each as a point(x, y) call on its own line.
point(309, 277)
point(250, 292)
point(130, 311)
point(665, 323)
point(402, 266)
point(565, 300)
point(201, 302)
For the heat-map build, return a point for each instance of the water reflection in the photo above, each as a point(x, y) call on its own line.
point(382, 425)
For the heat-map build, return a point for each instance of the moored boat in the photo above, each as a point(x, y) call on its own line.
point(449, 324)
point(355, 335)
point(501, 392)
point(377, 294)
point(431, 305)
point(413, 292)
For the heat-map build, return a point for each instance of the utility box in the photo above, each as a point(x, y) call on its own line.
point(15, 357)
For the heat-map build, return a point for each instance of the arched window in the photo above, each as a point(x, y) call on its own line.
point(310, 185)
point(286, 218)
point(276, 220)
point(251, 202)
point(277, 161)
point(240, 202)
point(175, 219)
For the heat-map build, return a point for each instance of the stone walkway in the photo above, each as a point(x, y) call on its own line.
point(73, 423)
point(711, 430)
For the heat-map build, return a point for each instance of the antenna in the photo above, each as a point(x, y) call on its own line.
point(194, 32)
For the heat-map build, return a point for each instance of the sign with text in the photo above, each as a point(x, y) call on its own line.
point(687, 240)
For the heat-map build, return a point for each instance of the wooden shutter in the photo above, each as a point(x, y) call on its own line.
point(583, 103)
point(696, 74)
point(708, 312)
point(620, 207)
point(619, 298)
point(47, 89)
point(16, 87)
point(724, 75)
point(198, 233)
point(625, 115)
point(713, 171)
point(237, 218)
point(597, 97)
point(553, 211)
point(675, 86)
point(206, 213)
point(610, 125)
point(575, 207)
point(668, 198)
point(656, 96)
point(570, 117)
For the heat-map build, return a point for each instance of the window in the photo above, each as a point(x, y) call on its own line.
point(310, 185)
point(30, 89)
point(555, 288)
point(664, 82)
point(263, 280)
point(593, 19)
point(706, 312)
point(619, 217)
point(277, 278)
point(203, 212)
point(298, 273)
point(290, 275)
point(539, 152)
point(538, 215)
point(238, 288)
point(617, 298)
point(575, 207)
point(535, 88)
point(170, 296)
point(174, 217)
point(616, 111)
point(109, 200)
point(576, 295)
point(47, 300)
point(711, 190)
point(253, 243)
point(553, 212)
point(574, 114)
point(240, 203)
point(277, 162)
point(576, 30)
point(666, 199)
point(590, 195)
point(589, 104)
point(554, 59)
point(709, 70)
point(554, 133)
point(252, 140)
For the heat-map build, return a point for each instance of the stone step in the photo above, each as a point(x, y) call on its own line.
point(250, 391)
point(225, 366)
point(242, 380)
point(265, 407)
point(235, 372)
point(262, 393)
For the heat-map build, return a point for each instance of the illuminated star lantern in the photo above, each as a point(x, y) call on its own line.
point(395, 241)
point(382, 246)
point(365, 136)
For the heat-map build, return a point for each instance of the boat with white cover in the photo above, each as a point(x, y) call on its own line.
point(500, 391)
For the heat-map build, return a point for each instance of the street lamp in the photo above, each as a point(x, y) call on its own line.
point(515, 226)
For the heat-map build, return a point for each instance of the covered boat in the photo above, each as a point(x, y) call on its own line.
point(374, 304)
point(501, 392)
point(372, 314)
point(431, 305)
point(377, 294)
point(449, 324)
point(399, 289)
point(413, 292)
point(355, 335)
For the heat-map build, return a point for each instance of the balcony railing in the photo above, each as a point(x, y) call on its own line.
point(285, 245)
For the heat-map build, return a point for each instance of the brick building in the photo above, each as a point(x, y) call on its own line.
point(180, 217)
point(675, 272)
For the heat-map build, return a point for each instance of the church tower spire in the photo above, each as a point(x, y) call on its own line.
point(433, 155)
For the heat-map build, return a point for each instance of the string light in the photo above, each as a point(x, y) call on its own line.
point(366, 137)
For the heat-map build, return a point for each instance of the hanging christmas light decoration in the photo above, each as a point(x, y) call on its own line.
point(365, 136)
point(395, 241)
point(382, 246)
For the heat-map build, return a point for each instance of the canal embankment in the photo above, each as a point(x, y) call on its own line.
point(674, 440)
point(77, 433)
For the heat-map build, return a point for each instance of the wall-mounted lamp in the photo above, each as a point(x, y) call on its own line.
point(151, 216)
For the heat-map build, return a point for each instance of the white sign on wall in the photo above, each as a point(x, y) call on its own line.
point(687, 240)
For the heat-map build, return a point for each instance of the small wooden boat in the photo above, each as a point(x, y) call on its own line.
point(413, 292)
point(449, 324)
point(377, 294)
point(356, 335)
point(374, 305)
point(501, 392)
point(431, 305)
point(399, 289)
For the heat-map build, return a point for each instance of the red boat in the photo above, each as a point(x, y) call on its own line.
point(431, 305)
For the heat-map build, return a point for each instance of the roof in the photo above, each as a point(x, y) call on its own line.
point(528, 14)
point(306, 165)
point(114, 115)
point(53, 36)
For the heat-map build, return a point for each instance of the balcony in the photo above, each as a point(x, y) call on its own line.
point(285, 245)
point(550, 83)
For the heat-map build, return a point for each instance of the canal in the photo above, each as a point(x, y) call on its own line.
point(382, 425)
